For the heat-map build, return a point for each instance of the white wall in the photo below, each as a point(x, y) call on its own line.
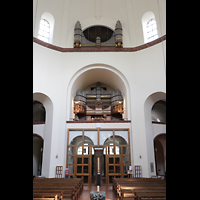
point(142, 71)
point(158, 129)
point(57, 75)
point(39, 129)
point(97, 12)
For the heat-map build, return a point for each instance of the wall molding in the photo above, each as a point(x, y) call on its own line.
point(101, 49)
point(100, 121)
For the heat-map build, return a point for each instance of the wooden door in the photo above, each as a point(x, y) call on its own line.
point(82, 168)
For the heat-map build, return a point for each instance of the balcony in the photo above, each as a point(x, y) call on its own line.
point(99, 119)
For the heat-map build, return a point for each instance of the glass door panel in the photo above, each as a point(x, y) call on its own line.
point(111, 169)
point(79, 169)
point(125, 149)
point(70, 159)
point(117, 169)
point(86, 159)
point(71, 169)
point(91, 137)
point(79, 160)
point(106, 137)
point(121, 137)
point(79, 150)
point(74, 137)
point(117, 160)
point(71, 150)
point(118, 150)
point(125, 159)
point(85, 169)
point(111, 160)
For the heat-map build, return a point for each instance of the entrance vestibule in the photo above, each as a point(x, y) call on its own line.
point(81, 158)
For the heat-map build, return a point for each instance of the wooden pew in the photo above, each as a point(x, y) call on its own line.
point(71, 188)
point(150, 195)
point(139, 188)
point(48, 195)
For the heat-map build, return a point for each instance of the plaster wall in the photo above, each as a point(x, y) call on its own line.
point(97, 12)
point(56, 75)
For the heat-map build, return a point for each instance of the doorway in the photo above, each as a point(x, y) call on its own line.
point(160, 154)
point(115, 160)
point(37, 154)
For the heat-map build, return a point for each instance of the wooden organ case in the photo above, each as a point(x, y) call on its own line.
point(98, 104)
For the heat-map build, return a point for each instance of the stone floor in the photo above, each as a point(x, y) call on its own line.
point(85, 195)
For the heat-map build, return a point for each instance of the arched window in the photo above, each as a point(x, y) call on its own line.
point(44, 30)
point(46, 27)
point(152, 32)
point(149, 25)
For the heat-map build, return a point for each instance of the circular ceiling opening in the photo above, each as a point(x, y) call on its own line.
point(93, 32)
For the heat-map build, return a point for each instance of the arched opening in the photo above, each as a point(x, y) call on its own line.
point(151, 130)
point(39, 113)
point(158, 112)
point(50, 19)
point(104, 74)
point(43, 99)
point(98, 102)
point(149, 28)
point(115, 158)
point(160, 154)
point(37, 154)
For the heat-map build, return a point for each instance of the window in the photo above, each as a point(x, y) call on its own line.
point(152, 32)
point(44, 30)
point(149, 25)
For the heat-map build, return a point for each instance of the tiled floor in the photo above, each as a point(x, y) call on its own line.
point(85, 195)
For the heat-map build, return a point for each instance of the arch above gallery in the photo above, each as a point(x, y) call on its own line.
point(158, 112)
point(105, 74)
point(39, 113)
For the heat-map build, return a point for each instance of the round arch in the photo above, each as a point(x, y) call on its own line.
point(50, 18)
point(148, 104)
point(47, 135)
point(39, 112)
point(38, 142)
point(38, 136)
point(160, 153)
point(98, 73)
point(145, 18)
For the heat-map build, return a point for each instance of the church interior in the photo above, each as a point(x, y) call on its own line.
point(99, 97)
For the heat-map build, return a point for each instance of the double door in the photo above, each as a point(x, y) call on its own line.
point(113, 164)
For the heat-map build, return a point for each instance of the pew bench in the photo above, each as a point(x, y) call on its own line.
point(70, 188)
point(140, 188)
point(140, 196)
point(48, 195)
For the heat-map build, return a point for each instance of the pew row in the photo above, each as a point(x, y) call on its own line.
point(65, 189)
point(139, 188)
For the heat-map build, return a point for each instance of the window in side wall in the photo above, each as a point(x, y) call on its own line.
point(44, 30)
point(152, 32)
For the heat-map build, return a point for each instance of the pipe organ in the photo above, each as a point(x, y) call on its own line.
point(98, 104)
